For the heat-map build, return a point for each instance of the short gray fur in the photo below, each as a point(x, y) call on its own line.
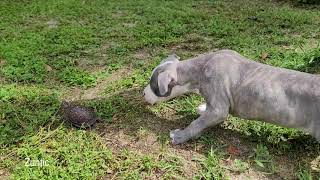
point(231, 83)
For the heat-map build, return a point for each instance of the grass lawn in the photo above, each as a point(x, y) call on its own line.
point(101, 53)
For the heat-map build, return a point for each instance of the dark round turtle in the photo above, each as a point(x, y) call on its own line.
point(77, 115)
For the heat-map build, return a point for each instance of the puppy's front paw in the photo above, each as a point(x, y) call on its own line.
point(177, 136)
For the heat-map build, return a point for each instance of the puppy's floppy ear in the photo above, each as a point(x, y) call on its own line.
point(171, 58)
point(164, 81)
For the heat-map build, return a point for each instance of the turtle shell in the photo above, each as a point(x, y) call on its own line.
point(78, 116)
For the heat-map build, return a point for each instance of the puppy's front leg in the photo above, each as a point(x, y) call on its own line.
point(207, 119)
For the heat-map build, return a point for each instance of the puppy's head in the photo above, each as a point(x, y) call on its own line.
point(163, 79)
point(164, 76)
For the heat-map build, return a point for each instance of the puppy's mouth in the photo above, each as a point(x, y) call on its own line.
point(146, 101)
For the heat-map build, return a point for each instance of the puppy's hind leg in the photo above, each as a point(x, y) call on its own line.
point(207, 119)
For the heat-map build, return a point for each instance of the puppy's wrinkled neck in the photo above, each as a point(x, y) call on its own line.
point(189, 71)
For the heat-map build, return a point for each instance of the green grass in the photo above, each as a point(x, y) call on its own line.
point(137, 166)
point(24, 109)
point(211, 168)
point(68, 153)
point(50, 47)
point(304, 175)
point(263, 159)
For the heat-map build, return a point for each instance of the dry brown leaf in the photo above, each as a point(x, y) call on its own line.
point(287, 47)
point(264, 56)
point(48, 68)
point(2, 62)
point(233, 150)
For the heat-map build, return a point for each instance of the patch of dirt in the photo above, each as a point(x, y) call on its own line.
point(129, 25)
point(92, 65)
point(76, 93)
point(4, 174)
point(250, 174)
point(119, 14)
point(142, 54)
point(285, 168)
point(52, 23)
point(309, 45)
point(148, 143)
point(192, 46)
point(96, 59)
point(168, 112)
point(314, 164)
point(2, 79)
point(117, 140)
point(2, 63)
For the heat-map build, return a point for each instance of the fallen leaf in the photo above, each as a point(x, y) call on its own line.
point(2, 62)
point(48, 68)
point(254, 18)
point(286, 47)
point(233, 150)
point(109, 171)
point(52, 23)
point(264, 55)
point(259, 163)
point(228, 161)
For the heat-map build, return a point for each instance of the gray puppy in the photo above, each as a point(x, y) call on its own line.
point(233, 84)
